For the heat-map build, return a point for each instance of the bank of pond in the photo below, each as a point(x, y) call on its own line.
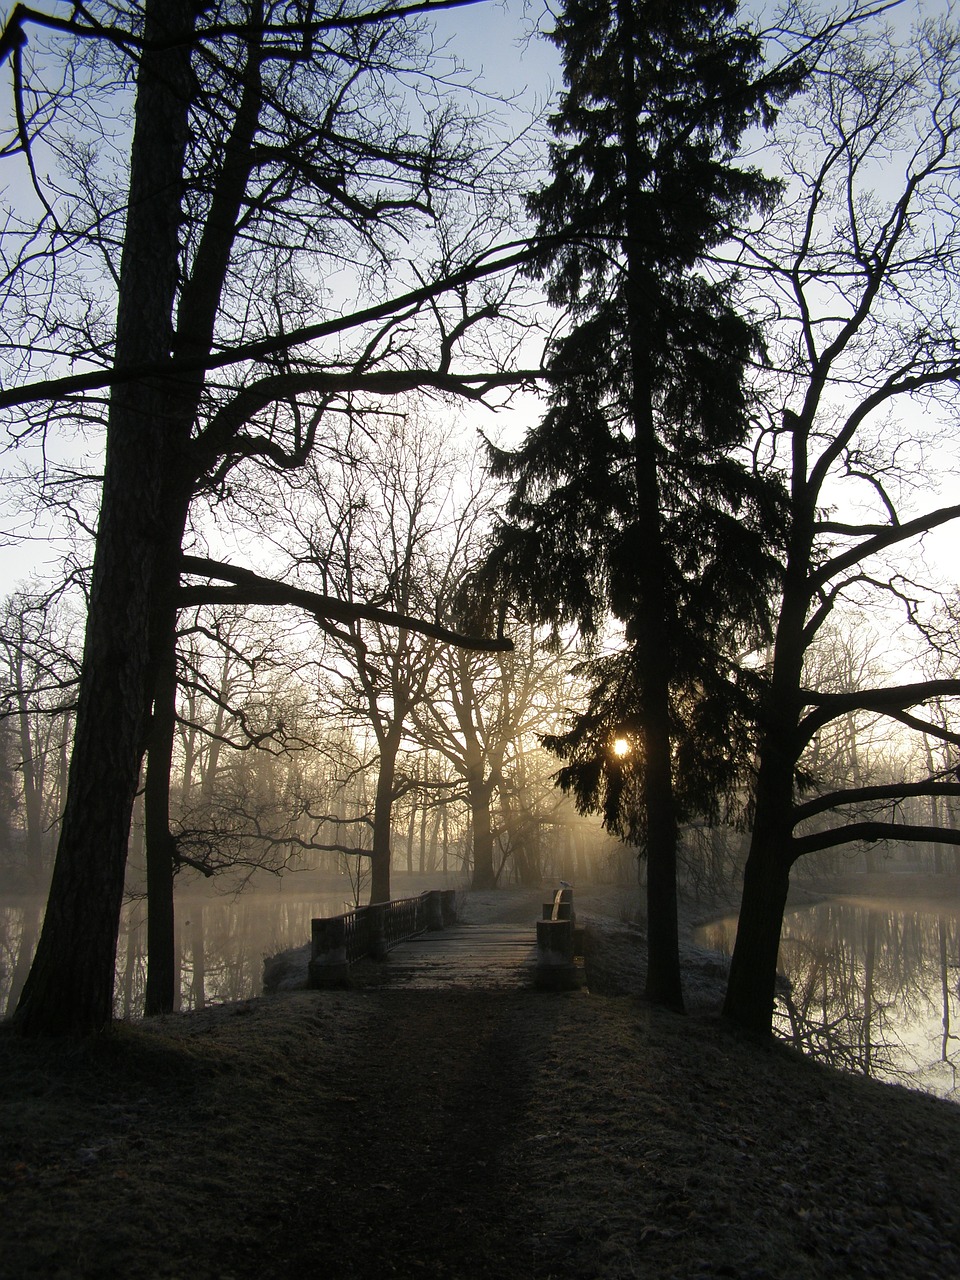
point(869, 984)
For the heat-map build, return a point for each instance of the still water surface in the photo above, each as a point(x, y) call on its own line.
point(221, 941)
point(872, 987)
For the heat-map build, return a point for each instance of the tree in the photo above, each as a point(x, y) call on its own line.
point(387, 523)
point(859, 272)
point(168, 851)
point(37, 681)
point(269, 149)
point(393, 672)
point(479, 712)
point(632, 498)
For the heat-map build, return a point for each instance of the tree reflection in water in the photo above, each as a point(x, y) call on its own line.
point(221, 941)
point(871, 989)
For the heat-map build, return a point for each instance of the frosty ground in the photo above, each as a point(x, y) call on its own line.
point(468, 1134)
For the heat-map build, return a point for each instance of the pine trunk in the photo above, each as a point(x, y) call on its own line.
point(652, 643)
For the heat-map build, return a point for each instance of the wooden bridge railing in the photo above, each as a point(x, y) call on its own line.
point(337, 942)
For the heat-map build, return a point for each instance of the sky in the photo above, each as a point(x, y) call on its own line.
point(494, 38)
point(495, 41)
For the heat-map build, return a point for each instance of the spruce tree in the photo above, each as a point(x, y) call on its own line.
point(630, 498)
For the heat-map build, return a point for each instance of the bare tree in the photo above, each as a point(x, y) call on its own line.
point(387, 524)
point(271, 151)
point(37, 688)
point(483, 714)
point(858, 274)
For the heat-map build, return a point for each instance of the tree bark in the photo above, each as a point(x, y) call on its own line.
point(380, 855)
point(479, 791)
point(162, 967)
point(70, 986)
point(766, 880)
point(751, 987)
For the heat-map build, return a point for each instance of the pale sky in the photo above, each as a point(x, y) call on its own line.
point(493, 40)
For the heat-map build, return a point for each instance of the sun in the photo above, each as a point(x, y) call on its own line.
point(621, 747)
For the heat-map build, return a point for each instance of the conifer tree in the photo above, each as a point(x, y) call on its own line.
point(631, 497)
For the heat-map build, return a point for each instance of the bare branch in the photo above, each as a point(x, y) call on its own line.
point(870, 832)
point(893, 792)
point(59, 388)
point(251, 588)
point(888, 537)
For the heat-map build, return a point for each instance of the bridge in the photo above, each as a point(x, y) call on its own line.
point(420, 944)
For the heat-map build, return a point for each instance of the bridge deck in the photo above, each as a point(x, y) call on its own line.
point(494, 957)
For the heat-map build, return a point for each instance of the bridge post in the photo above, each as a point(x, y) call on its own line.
point(328, 965)
point(448, 903)
point(377, 925)
point(434, 904)
point(561, 908)
point(555, 969)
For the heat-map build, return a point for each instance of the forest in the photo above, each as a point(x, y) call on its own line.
point(434, 477)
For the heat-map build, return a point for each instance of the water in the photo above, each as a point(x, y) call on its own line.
point(221, 941)
point(874, 987)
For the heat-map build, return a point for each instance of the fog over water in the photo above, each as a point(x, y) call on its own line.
point(222, 939)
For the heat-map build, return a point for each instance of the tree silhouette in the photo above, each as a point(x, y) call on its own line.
point(631, 498)
point(859, 277)
point(270, 153)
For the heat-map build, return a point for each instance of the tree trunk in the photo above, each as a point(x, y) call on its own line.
point(751, 986)
point(162, 967)
point(479, 792)
point(652, 642)
point(32, 785)
point(30, 927)
point(766, 879)
point(382, 819)
point(70, 986)
point(753, 971)
point(198, 981)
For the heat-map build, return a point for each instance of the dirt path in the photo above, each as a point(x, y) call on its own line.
point(430, 1096)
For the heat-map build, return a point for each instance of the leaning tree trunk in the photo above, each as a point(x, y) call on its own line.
point(751, 986)
point(70, 986)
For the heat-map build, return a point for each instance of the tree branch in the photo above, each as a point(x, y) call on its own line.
point(889, 537)
point(221, 431)
point(881, 701)
point(14, 34)
point(249, 588)
point(893, 791)
point(75, 384)
point(870, 832)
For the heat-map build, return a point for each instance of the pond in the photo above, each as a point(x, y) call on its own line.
point(872, 987)
point(221, 940)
